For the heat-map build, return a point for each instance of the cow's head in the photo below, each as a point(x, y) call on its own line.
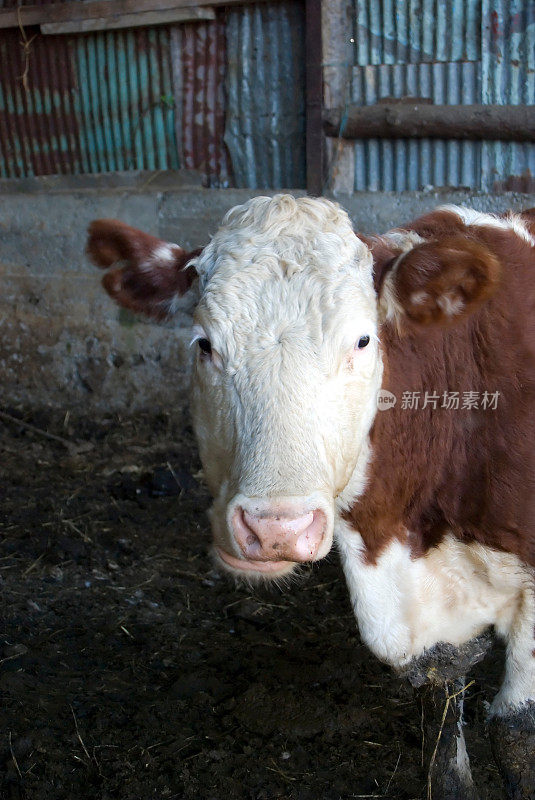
point(288, 364)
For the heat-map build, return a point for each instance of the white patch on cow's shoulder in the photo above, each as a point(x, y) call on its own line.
point(404, 606)
point(511, 221)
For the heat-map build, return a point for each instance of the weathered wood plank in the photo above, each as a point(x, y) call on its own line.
point(407, 120)
point(336, 22)
point(112, 22)
point(95, 9)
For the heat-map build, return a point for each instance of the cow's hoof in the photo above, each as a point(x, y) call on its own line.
point(445, 758)
point(512, 737)
point(446, 662)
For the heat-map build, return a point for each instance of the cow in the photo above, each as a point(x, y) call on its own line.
point(377, 392)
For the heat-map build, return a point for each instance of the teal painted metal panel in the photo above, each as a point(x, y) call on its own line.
point(101, 102)
point(126, 100)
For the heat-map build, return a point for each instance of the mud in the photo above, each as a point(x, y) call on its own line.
point(131, 669)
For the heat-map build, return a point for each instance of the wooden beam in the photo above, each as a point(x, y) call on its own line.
point(406, 120)
point(337, 20)
point(314, 98)
point(98, 9)
point(112, 22)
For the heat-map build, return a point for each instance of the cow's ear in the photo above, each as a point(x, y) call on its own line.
point(440, 282)
point(150, 274)
point(383, 254)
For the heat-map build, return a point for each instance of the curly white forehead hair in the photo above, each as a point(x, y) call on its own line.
point(284, 234)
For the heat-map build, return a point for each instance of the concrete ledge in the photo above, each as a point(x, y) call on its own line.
point(64, 343)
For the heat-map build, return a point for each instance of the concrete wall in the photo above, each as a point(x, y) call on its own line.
point(63, 342)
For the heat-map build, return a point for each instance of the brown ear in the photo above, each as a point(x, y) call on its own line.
point(441, 282)
point(153, 272)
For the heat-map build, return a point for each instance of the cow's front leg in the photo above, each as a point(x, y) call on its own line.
point(438, 677)
point(445, 758)
point(512, 713)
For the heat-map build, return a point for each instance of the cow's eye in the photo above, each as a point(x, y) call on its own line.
point(363, 342)
point(205, 346)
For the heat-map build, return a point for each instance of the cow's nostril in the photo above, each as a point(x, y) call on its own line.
point(265, 537)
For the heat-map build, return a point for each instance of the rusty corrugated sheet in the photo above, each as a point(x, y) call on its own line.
point(154, 98)
point(199, 65)
point(39, 128)
point(265, 125)
point(113, 101)
point(95, 103)
point(456, 52)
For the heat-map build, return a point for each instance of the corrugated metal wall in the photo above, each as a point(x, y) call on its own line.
point(226, 97)
point(265, 130)
point(156, 98)
point(198, 57)
point(450, 52)
point(508, 76)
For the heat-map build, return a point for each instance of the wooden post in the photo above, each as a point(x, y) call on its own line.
point(337, 30)
point(314, 98)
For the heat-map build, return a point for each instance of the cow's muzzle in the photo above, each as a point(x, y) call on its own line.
point(271, 535)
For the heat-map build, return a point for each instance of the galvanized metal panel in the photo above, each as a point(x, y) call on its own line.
point(416, 48)
point(396, 165)
point(265, 125)
point(411, 31)
point(456, 52)
point(508, 61)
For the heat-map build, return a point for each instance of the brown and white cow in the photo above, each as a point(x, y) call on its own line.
point(301, 325)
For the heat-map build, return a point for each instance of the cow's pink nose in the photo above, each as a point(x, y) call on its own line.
point(276, 537)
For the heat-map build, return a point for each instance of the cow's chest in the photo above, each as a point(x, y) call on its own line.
point(404, 605)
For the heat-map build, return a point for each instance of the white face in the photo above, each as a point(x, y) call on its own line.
point(285, 381)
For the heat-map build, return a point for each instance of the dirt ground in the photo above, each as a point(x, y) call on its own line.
point(131, 669)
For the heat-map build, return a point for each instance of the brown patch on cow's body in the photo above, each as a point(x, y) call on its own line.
point(469, 471)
